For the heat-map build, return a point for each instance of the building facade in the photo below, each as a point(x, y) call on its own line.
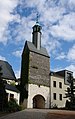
point(10, 80)
point(58, 88)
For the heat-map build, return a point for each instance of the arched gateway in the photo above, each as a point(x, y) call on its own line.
point(39, 102)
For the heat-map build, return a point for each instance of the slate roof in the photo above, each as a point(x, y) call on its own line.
point(7, 71)
point(62, 72)
point(11, 88)
point(52, 73)
point(32, 48)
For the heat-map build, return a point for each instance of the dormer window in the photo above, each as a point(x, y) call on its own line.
point(68, 76)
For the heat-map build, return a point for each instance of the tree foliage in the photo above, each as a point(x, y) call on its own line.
point(70, 93)
point(2, 92)
point(13, 106)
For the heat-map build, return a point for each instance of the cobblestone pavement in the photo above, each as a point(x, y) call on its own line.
point(41, 114)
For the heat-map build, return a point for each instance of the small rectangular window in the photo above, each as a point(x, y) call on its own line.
point(60, 96)
point(54, 83)
point(11, 96)
point(54, 96)
point(60, 85)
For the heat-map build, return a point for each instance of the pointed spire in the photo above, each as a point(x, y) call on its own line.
point(36, 40)
point(37, 18)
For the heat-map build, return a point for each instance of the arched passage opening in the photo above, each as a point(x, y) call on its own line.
point(39, 102)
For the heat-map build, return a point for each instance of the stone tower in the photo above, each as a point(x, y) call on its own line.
point(35, 69)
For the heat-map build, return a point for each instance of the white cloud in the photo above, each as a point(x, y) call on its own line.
point(71, 54)
point(52, 17)
point(50, 12)
point(23, 31)
point(2, 58)
point(17, 53)
point(6, 8)
point(52, 46)
point(71, 4)
point(66, 28)
point(61, 56)
point(32, 3)
point(57, 68)
point(56, 16)
point(17, 74)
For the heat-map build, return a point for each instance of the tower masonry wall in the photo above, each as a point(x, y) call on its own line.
point(39, 69)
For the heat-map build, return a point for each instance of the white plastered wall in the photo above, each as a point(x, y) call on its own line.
point(34, 90)
point(57, 90)
point(16, 95)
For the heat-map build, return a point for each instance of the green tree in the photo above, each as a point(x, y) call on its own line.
point(2, 92)
point(13, 106)
point(70, 93)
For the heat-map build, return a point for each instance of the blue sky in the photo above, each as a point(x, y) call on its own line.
point(57, 18)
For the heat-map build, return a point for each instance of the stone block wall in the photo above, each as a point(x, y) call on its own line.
point(39, 69)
